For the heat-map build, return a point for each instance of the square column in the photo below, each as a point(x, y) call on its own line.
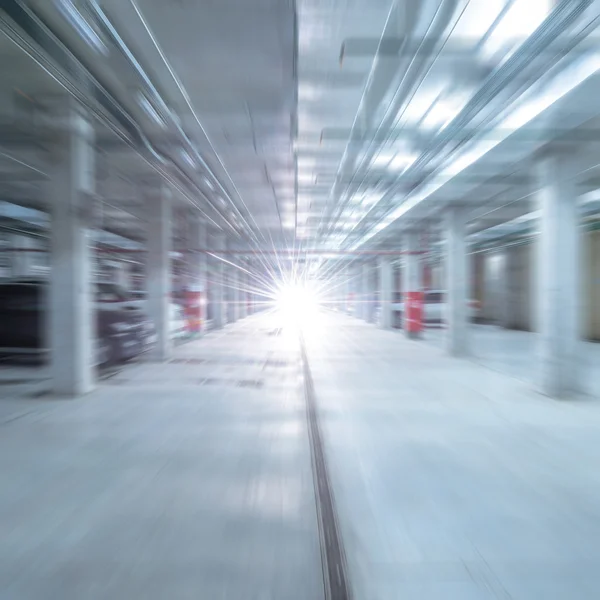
point(243, 294)
point(233, 293)
point(158, 268)
point(457, 282)
point(412, 281)
point(354, 289)
point(365, 291)
point(72, 323)
point(197, 287)
point(357, 283)
point(559, 300)
point(218, 285)
point(386, 281)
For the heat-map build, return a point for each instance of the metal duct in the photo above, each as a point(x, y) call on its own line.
point(50, 53)
point(409, 79)
point(558, 21)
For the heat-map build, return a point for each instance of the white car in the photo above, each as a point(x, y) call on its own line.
point(178, 322)
point(111, 296)
point(434, 308)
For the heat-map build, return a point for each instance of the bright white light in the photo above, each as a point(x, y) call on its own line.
point(521, 20)
point(383, 159)
point(150, 110)
point(402, 161)
point(68, 9)
point(395, 161)
point(297, 302)
point(444, 110)
point(370, 199)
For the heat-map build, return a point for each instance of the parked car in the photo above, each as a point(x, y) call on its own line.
point(434, 308)
point(178, 321)
point(120, 334)
point(138, 299)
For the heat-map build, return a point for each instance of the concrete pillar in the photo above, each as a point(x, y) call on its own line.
point(243, 293)
point(71, 327)
point(358, 290)
point(365, 291)
point(234, 292)
point(158, 267)
point(559, 301)
point(386, 281)
point(198, 267)
point(346, 290)
point(457, 284)
point(413, 280)
point(218, 285)
point(354, 289)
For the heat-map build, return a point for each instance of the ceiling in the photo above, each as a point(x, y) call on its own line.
point(300, 124)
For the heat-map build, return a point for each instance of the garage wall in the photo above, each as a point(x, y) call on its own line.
point(492, 293)
point(509, 288)
point(477, 266)
point(520, 287)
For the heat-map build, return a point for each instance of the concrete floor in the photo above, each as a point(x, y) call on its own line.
point(183, 480)
point(453, 480)
point(514, 353)
point(192, 479)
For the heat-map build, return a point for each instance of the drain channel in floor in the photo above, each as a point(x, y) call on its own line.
point(332, 551)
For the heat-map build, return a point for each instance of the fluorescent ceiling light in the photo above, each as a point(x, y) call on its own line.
point(309, 92)
point(187, 158)
point(560, 86)
point(306, 178)
point(402, 161)
point(477, 19)
point(443, 111)
point(75, 18)
point(371, 199)
point(520, 21)
point(149, 109)
point(383, 159)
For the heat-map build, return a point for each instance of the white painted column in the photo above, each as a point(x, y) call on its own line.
point(243, 293)
point(386, 283)
point(355, 288)
point(365, 291)
point(413, 280)
point(346, 290)
point(158, 267)
point(234, 292)
point(72, 324)
point(198, 265)
point(218, 285)
point(559, 301)
point(457, 281)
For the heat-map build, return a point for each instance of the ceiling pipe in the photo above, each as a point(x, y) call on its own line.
point(409, 69)
point(165, 112)
point(380, 79)
point(565, 14)
point(23, 27)
point(539, 44)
